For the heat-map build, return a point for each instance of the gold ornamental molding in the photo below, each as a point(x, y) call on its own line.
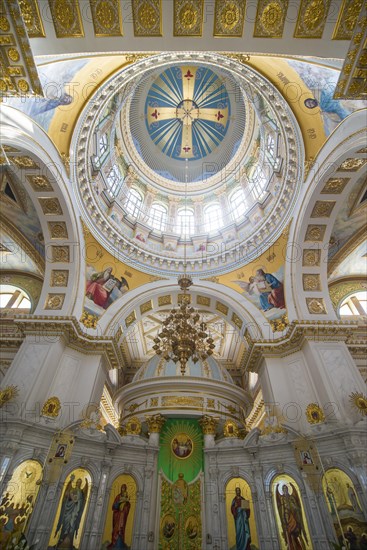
point(19, 74)
point(270, 18)
point(229, 18)
point(66, 18)
point(312, 17)
point(107, 19)
point(32, 18)
point(347, 19)
point(352, 83)
point(69, 329)
point(188, 18)
point(147, 18)
point(341, 288)
point(298, 333)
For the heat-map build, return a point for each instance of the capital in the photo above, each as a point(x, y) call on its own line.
point(155, 422)
point(209, 424)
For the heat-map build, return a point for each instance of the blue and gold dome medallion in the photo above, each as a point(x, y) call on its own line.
point(187, 112)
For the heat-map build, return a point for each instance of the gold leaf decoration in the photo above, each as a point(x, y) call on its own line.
point(147, 17)
point(229, 17)
point(51, 408)
point(32, 18)
point(8, 394)
point(312, 17)
point(314, 414)
point(270, 18)
point(347, 19)
point(359, 402)
point(106, 15)
point(66, 18)
point(188, 18)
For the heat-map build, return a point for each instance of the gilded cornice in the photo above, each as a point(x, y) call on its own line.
point(69, 328)
point(296, 336)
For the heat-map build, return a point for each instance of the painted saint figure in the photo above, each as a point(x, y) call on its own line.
point(240, 509)
point(101, 285)
point(121, 509)
point(290, 513)
point(71, 511)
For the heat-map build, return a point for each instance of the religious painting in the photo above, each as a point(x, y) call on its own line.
point(118, 531)
point(103, 288)
point(290, 515)
point(345, 508)
point(182, 445)
point(242, 533)
point(71, 512)
point(18, 500)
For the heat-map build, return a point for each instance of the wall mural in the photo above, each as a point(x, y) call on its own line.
point(67, 529)
point(345, 507)
point(322, 83)
point(290, 515)
point(242, 534)
point(107, 279)
point(119, 524)
point(18, 500)
point(262, 282)
point(180, 463)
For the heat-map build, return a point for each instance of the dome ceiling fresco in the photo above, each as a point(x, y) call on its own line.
point(187, 112)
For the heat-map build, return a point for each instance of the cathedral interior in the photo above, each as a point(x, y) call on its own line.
point(183, 274)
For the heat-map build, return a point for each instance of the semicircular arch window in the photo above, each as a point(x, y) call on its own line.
point(185, 224)
point(158, 216)
point(12, 297)
point(258, 182)
point(354, 304)
point(213, 219)
point(133, 203)
point(238, 204)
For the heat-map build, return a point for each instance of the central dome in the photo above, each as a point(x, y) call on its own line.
point(192, 113)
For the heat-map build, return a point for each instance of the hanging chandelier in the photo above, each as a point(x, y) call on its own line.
point(184, 335)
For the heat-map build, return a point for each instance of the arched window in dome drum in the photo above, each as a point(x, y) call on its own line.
point(103, 144)
point(185, 222)
point(114, 181)
point(238, 204)
point(158, 216)
point(133, 203)
point(212, 217)
point(258, 183)
point(270, 144)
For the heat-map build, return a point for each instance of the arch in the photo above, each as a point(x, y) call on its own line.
point(241, 524)
point(213, 220)
point(38, 158)
point(158, 216)
point(185, 222)
point(134, 202)
point(238, 204)
point(325, 192)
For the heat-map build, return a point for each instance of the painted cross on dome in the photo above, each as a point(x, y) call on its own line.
point(187, 112)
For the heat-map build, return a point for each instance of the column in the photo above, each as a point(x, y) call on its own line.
point(155, 425)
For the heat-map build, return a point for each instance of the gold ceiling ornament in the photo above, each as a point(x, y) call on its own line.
point(222, 308)
point(188, 18)
point(89, 320)
point(54, 301)
point(147, 306)
point(155, 423)
point(311, 281)
point(147, 17)
point(51, 408)
point(230, 429)
point(66, 18)
point(58, 230)
point(352, 164)
point(229, 17)
point(237, 320)
point(39, 183)
point(315, 232)
point(209, 424)
point(316, 306)
point(312, 17)
point(347, 19)
point(8, 394)
point(359, 402)
point(322, 209)
point(51, 206)
point(203, 301)
point(314, 414)
point(59, 277)
point(60, 254)
point(133, 426)
point(106, 15)
point(334, 186)
point(32, 18)
point(24, 162)
point(311, 257)
point(270, 18)
point(130, 319)
point(164, 300)
point(278, 325)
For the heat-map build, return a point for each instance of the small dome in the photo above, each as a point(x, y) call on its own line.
point(157, 367)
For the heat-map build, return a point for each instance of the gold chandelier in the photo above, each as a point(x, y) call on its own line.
point(184, 334)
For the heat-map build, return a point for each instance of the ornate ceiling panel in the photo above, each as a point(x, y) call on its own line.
point(312, 18)
point(270, 18)
point(107, 19)
point(66, 18)
point(188, 18)
point(147, 15)
point(229, 18)
point(18, 70)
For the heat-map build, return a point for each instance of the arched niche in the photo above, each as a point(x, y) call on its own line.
point(291, 521)
point(344, 506)
point(18, 500)
point(240, 515)
point(67, 529)
point(119, 523)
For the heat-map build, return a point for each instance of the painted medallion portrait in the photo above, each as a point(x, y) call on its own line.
point(182, 445)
